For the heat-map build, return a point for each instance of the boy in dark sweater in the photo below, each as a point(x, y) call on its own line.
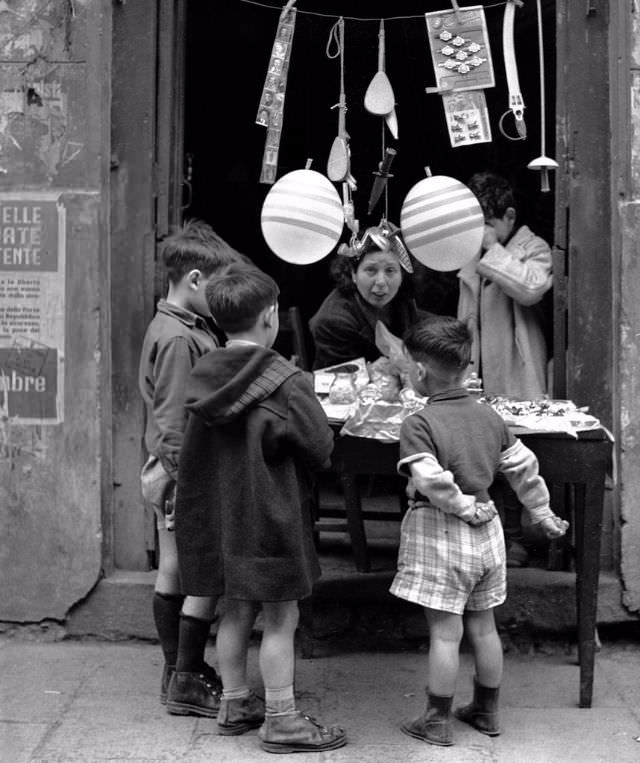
point(255, 435)
point(180, 332)
point(452, 552)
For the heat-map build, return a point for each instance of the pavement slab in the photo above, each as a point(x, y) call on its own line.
point(93, 702)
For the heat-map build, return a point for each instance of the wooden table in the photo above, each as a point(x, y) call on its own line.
point(574, 470)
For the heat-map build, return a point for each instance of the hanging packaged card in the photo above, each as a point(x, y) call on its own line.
point(271, 108)
point(467, 117)
point(460, 49)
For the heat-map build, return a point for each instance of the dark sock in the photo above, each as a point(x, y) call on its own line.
point(194, 634)
point(166, 614)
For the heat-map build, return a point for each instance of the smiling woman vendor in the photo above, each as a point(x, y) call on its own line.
point(372, 284)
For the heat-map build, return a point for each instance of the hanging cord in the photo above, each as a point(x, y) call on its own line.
point(336, 38)
point(361, 18)
point(386, 187)
point(541, 67)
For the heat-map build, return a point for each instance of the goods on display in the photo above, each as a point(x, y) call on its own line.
point(271, 108)
point(442, 223)
point(461, 59)
point(302, 217)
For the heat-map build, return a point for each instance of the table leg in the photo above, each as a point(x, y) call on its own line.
point(353, 509)
point(588, 518)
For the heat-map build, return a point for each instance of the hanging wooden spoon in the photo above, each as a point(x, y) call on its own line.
point(379, 98)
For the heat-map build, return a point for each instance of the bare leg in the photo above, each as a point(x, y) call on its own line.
point(167, 579)
point(481, 631)
point(232, 642)
point(445, 634)
point(277, 651)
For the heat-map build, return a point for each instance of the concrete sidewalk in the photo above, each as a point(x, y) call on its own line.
point(90, 701)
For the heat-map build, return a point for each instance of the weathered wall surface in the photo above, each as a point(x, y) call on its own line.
point(629, 363)
point(54, 302)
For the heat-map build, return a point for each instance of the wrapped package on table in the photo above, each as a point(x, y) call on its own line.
point(381, 420)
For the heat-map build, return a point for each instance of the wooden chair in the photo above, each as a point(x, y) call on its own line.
point(291, 341)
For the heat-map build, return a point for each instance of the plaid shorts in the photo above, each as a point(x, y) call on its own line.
point(448, 565)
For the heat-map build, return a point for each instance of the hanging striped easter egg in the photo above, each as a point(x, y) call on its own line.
point(302, 217)
point(442, 223)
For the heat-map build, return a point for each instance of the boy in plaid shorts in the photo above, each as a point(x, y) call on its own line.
point(452, 552)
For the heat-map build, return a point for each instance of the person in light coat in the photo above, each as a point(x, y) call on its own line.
point(499, 290)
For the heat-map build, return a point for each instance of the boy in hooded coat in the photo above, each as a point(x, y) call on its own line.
point(256, 434)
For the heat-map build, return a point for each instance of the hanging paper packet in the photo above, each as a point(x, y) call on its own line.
point(461, 57)
point(271, 108)
point(467, 117)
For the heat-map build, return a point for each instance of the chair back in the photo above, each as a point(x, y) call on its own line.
point(291, 341)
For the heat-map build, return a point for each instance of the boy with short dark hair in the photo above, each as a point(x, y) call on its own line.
point(256, 434)
point(180, 332)
point(452, 554)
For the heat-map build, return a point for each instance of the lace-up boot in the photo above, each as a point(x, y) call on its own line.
point(297, 732)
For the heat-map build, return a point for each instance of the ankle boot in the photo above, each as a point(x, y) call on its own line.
point(237, 716)
point(482, 711)
point(434, 725)
point(298, 732)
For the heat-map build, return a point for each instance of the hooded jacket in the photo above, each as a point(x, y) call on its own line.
point(255, 434)
point(498, 294)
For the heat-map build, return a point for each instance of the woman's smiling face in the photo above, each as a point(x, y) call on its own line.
point(378, 278)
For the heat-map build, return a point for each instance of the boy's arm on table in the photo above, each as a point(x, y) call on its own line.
point(172, 367)
point(520, 466)
point(429, 479)
point(522, 271)
point(308, 430)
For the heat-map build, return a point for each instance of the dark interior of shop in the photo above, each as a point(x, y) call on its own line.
point(228, 48)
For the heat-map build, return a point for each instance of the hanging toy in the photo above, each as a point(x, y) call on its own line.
point(271, 108)
point(379, 98)
point(339, 163)
point(385, 237)
point(516, 102)
point(302, 217)
point(381, 176)
point(543, 163)
point(461, 59)
point(442, 222)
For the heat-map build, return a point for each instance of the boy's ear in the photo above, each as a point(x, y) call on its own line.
point(193, 278)
point(268, 315)
point(510, 215)
point(421, 370)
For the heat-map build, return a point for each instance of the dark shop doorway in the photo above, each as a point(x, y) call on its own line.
point(227, 52)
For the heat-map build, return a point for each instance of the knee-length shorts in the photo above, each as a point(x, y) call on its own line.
point(449, 565)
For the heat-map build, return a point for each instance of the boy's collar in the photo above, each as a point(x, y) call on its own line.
point(188, 317)
point(455, 393)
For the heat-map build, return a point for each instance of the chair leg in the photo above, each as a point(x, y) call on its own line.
point(353, 508)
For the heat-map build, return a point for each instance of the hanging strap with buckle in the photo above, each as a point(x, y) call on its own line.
point(516, 102)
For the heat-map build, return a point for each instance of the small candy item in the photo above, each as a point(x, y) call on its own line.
point(442, 223)
point(302, 217)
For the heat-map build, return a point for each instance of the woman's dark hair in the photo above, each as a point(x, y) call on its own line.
point(238, 295)
point(444, 339)
point(342, 269)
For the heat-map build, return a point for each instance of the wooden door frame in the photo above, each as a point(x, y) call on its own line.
point(146, 188)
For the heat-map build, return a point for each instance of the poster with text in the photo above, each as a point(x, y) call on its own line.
point(32, 307)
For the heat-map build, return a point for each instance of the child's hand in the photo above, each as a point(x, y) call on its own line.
point(554, 527)
point(489, 238)
point(484, 512)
